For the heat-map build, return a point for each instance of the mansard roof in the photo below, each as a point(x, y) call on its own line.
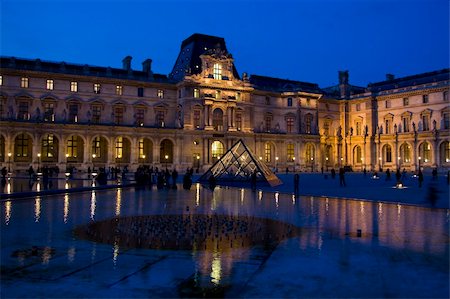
point(418, 79)
point(79, 69)
point(282, 85)
point(189, 61)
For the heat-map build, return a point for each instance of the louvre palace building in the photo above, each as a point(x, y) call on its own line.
point(60, 114)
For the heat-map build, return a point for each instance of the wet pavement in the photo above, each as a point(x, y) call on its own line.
point(340, 248)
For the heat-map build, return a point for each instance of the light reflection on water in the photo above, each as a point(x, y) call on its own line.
point(394, 226)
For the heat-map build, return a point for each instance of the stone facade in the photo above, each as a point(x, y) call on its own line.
point(85, 116)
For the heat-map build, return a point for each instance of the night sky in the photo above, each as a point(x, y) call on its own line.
point(299, 40)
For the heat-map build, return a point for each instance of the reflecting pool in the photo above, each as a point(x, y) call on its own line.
point(228, 242)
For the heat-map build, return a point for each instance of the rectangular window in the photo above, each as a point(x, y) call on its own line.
point(160, 94)
point(50, 84)
point(267, 152)
point(73, 113)
point(49, 114)
point(141, 148)
point(196, 93)
point(24, 82)
point(140, 116)
point(239, 121)
point(217, 71)
point(426, 122)
point(268, 121)
point(326, 128)
point(96, 113)
point(289, 102)
point(358, 128)
point(308, 124)
point(23, 111)
point(160, 118)
point(119, 147)
point(267, 100)
point(290, 152)
point(97, 88)
point(118, 115)
point(119, 90)
point(140, 92)
point(405, 124)
point(21, 149)
point(405, 101)
point(388, 104)
point(388, 126)
point(96, 147)
point(72, 145)
point(196, 118)
point(48, 146)
point(446, 121)
point(425, 98)
point(74, 86)
point(358, 107)
point(290, 124)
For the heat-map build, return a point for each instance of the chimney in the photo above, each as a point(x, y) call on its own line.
point(390, 77)
point(147, 67)
point(126, 63)
point(343, 77)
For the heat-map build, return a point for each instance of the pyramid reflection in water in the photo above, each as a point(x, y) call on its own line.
point(237, 165)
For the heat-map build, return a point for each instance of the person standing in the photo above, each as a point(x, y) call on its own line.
point(342, 177)
point(420, 175)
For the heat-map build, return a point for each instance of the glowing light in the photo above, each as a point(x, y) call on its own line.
point(38, 186)
point(8, 187)
point(66, 207)
point(66, 185)
point(242, 196)
point(37, 209)
point(7, 212)
point(93, 204)
point(277, 195)
point(115, 253)
point(361, 207)
point(293, 199)
point(118, 201)
point(260, 195)
point(216, 269)
point(197, 194)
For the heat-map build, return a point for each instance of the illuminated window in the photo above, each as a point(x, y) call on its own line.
point(309, 153)
point(238, 96)
point(218, 94)
point(425, 98)
point(196, 118)
point(118, 115)
point(446, 151)
point(48, 148)
point(217, 71)
point(24, 82)
point(96, 113)
point(50, 84)
point(72, 147)
point(425, 152)
point(74, 86)
point(141, 148)
point(290, 152)
point(405, 101)
point(119, 90)
point(160, 93)
point(290, 124)
point(357, 155)
point(216, 150)
point(267, 152)
point(405, 153)
point(96, 147)
point(196, 93)
point(21, 146)
point(119, 147)
point(49, 114)
point(387, 153)
point(97, 88)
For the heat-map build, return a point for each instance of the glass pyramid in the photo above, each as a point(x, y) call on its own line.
point(237, 165)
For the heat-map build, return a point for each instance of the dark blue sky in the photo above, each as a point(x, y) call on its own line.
point(300, 40)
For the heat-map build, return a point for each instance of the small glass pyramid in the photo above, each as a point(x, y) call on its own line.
point(237, 165)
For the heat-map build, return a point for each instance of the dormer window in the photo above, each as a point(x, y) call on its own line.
point(217, 71)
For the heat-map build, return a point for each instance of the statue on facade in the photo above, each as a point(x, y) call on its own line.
point(414, 127)
point(339, 132)
point(38, 114)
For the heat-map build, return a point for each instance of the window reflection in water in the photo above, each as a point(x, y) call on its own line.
point(93, 204)
point(7, 212)
point(66, 207)
point(216, 268)
point(37, 208)
point(197, 194)
point(118, 201)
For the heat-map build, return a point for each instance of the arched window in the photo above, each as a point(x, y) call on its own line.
point(309, 153)
point(387, 153)
point(218, 119)
point(445, 152)
point(425, 152)
point(357, 155)
point(216, 150)
point(405, 153)
point(166, 151)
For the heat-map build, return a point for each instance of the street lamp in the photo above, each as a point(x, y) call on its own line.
point(167, 158)
point(312, 164)
point(276, 164)
point(93, 158)
point(9, 162)
point(326, 162)
point(420, 158)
